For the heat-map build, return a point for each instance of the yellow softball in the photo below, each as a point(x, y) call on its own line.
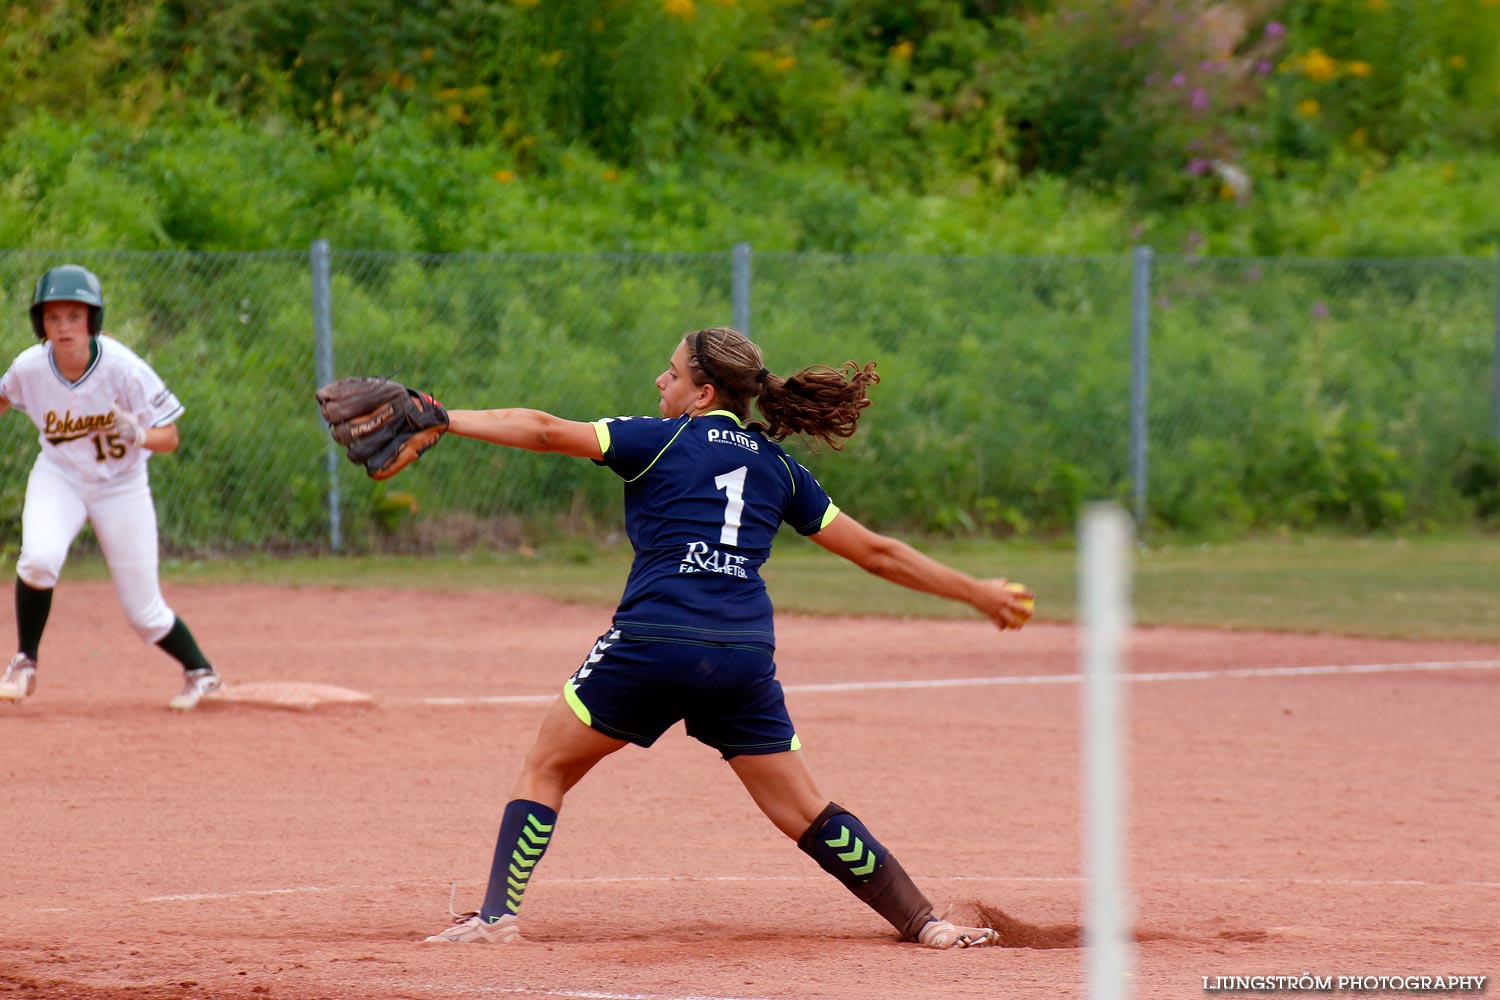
point(1027, 603)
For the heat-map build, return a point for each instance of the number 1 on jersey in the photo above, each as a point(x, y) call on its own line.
point(733, 485)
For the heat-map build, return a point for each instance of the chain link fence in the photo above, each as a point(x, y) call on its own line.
point(1211, 392)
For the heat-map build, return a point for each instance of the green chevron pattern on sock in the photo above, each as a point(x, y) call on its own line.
point(843, 847)
point(525, 831)
point(860, 859)
point(529, 849)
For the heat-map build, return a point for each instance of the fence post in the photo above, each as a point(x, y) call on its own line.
point(1495, 376)
point(1140, 347)
point(740, 288)
point(323, 338)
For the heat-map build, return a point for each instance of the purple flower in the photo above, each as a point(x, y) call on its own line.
point(1199, 101)
point(1179, 79)
point(1320, 310)
point(1263, 67)
point(1275, 29)
point(1198, 166)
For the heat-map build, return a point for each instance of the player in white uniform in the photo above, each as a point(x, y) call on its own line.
point(101, 411)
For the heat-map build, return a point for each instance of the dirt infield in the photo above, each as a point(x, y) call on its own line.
point(1321, 820)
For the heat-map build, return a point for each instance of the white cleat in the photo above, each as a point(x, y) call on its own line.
point(474, 929)
point(942, 935)
point(20, 678)
point(196, 684)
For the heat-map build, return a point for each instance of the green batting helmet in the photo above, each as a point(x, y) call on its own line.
point(68, 283)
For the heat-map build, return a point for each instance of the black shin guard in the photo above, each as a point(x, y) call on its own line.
point(845, 849)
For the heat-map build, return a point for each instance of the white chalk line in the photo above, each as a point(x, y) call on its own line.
point(191, 897)
point(1229, 673)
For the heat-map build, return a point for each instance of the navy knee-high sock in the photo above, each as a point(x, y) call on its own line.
point(525, 831)
point(844, 848)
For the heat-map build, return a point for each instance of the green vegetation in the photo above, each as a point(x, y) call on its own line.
point(1428, 588)
point(1363, 127)
point(945, 186)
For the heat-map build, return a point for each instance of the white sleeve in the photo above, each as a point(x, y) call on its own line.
point(151, 398)
point(11, 389)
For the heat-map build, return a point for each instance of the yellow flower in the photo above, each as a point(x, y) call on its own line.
point(596, 25)
point(448, 94)
point(476, 93)
point(457, 113)
point(610, 175)
point(1458, 61)
point(1226, 192)
point(551, 59)
point(505, 176)
point(1308, 108)
point(1319, 67)
point(901, 51)
point(1376, 4)
point(771, 62)
point(824, 23)
point(1448, 172)
point(1359, 138)
point(679, 8)
point(1357, 67)
point(427, 54)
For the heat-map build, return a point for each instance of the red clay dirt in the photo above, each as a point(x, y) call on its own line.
point(1328, 822)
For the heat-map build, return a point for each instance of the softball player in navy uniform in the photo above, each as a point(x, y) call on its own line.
point(706, 488)
point(101, 411)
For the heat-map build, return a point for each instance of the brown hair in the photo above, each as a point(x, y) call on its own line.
point(817, 403)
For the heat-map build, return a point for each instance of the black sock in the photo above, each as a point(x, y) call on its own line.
point(180, 645)
point(525, 831)
point(32, 608)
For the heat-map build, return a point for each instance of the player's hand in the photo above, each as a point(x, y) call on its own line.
point(1006, 604)
point(128, 428)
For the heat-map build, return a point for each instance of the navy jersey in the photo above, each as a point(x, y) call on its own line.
point(704, 498)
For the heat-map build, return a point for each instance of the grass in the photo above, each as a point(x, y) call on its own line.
point(1422, 588)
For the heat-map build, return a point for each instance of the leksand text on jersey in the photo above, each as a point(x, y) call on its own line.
point(74, 419)
point(704, 498)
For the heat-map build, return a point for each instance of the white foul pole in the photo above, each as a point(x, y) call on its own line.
point(1105, 543)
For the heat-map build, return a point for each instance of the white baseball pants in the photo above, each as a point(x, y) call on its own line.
point(124, 520)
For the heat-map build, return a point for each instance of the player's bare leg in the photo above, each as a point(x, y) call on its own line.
point(783, 788)
point(565, 750)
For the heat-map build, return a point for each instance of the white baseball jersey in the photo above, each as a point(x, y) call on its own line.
point(77, 429)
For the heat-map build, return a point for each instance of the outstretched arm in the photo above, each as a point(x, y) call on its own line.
point(533, 430)
point(892, 559)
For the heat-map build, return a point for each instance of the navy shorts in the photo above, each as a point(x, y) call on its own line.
point(636, 689)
